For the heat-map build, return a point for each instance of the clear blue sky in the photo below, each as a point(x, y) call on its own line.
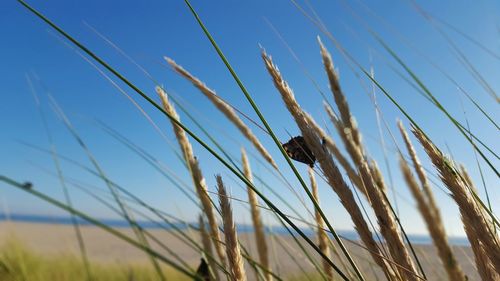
point(149, 30)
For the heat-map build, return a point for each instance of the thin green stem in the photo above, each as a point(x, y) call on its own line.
point(438, 104)
point(74, 222)
point(99, 224)
point(189, 132)
point(124, 211)
point(278, 144)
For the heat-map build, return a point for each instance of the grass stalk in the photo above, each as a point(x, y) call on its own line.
point(429, 210)
point(235, 260)
point(144, 231)
point(320, 232)
point(472, 215)
point(259, 232)
point(53, 152)
point(438, 105)
point(434, 225)
point(99, 224)
point(329, 168)
point(225, 108)
point(207, 248)
point(208, 148)
point(273, 136)
point(196, 174)
point(387, 217)
point(123, 208)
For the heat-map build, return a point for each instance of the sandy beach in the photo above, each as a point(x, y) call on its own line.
point(54, 239)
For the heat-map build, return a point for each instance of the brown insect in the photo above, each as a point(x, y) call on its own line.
point(297, 149)
point(203, 272)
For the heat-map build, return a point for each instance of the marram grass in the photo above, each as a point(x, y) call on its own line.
point(19, 263)
point(392, 256)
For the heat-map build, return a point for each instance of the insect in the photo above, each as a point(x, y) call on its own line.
point(297, 149)
point(203, 272)
point(27, 185)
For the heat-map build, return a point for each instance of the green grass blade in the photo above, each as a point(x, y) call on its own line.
point(466, 36)
point(74, 222)
point(482, 176)
point(147, 233)
point(437, 103)
point(131, 198)
point(421, 54)
point(319, 24)
point(278, 144)
point(231, 159)
point(145, 156)
point(186, 112)
point(151, 160)
point(124, 211)
point(195, 137)
point(403, 111)
point(99, 224)
point(462, 58)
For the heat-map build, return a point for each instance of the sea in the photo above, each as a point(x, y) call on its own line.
point(242, 228)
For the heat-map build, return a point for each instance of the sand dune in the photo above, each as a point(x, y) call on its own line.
point(53, 239)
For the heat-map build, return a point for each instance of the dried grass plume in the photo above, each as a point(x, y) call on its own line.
point(236, 266)
point(226, 109)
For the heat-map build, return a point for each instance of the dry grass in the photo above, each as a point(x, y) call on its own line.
point(258, 226)
point(391, 256)
point(226, 109)
point(386, 220)
point(351, 137)
point(429, 210)
point(330, 170)
point(377, 176)
point(340, 99)
point(236, 266)
point(335, 151)
point(196, 174)
point(320, 224)
point(434, 225)
point(483, 241)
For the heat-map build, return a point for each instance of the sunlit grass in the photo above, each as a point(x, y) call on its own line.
point(19, 263)
point(397, 263)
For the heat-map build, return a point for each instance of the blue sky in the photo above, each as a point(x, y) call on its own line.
point(149, 30)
